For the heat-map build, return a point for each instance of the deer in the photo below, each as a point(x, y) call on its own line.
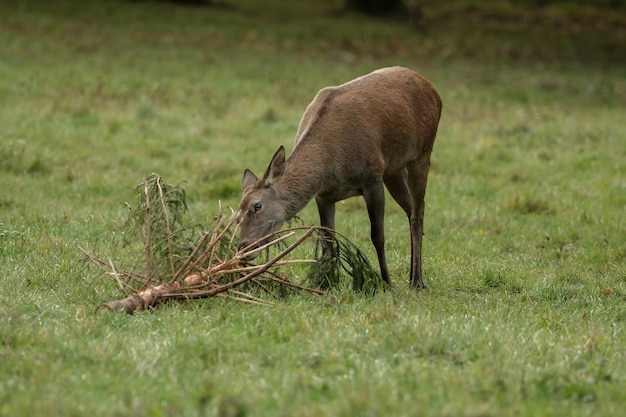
point(354, 139)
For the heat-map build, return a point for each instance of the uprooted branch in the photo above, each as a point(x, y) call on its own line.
point(213, 267)
point(214, 279)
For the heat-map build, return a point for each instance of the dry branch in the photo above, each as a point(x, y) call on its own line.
point(212, 266)
point(212, 280)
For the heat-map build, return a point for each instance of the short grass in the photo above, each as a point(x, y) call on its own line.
point(525, 248)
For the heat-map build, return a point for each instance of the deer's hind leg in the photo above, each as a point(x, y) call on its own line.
point(417, 178)
point(398, 186)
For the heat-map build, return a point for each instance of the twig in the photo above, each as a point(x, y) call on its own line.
point(250, 297)
point(263, 286)
point(245, 300)
point(253, 274)
point(116, 276)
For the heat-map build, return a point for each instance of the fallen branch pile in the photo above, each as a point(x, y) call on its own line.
point(174, 268)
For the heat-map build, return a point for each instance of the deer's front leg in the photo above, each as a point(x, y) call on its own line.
point(330, 251)
point(375, 201)
point(327, 219)
point(326, 211)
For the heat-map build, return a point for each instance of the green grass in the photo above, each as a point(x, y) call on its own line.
point(524, 252)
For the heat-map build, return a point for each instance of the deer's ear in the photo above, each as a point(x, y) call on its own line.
point(276, 167)
point(248, 179)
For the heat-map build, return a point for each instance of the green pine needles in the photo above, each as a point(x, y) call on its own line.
point(335, 256)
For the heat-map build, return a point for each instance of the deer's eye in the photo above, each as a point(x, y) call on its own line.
point(257, 207)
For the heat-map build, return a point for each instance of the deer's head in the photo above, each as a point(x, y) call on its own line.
point(260, 211)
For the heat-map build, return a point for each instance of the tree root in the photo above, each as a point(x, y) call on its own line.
point(143, 300)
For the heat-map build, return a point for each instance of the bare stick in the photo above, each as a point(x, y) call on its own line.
point(215, 238)
point(113, 272)
point(115, 275)
point(245, 300)
point(210, 252)
point(251, 250)
point(167, 223)
point(147, 238)
point(191, 257)
point(288, 283)
point(253, 267)
point(232, 237)
point(91, 257)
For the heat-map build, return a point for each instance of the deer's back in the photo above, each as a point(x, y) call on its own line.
point(375, 123)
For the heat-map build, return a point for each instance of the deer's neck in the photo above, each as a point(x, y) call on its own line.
point(300, 182)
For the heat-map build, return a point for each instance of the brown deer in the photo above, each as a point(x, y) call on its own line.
point(374, 130)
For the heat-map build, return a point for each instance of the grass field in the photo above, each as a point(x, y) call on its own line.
point(525, 232)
